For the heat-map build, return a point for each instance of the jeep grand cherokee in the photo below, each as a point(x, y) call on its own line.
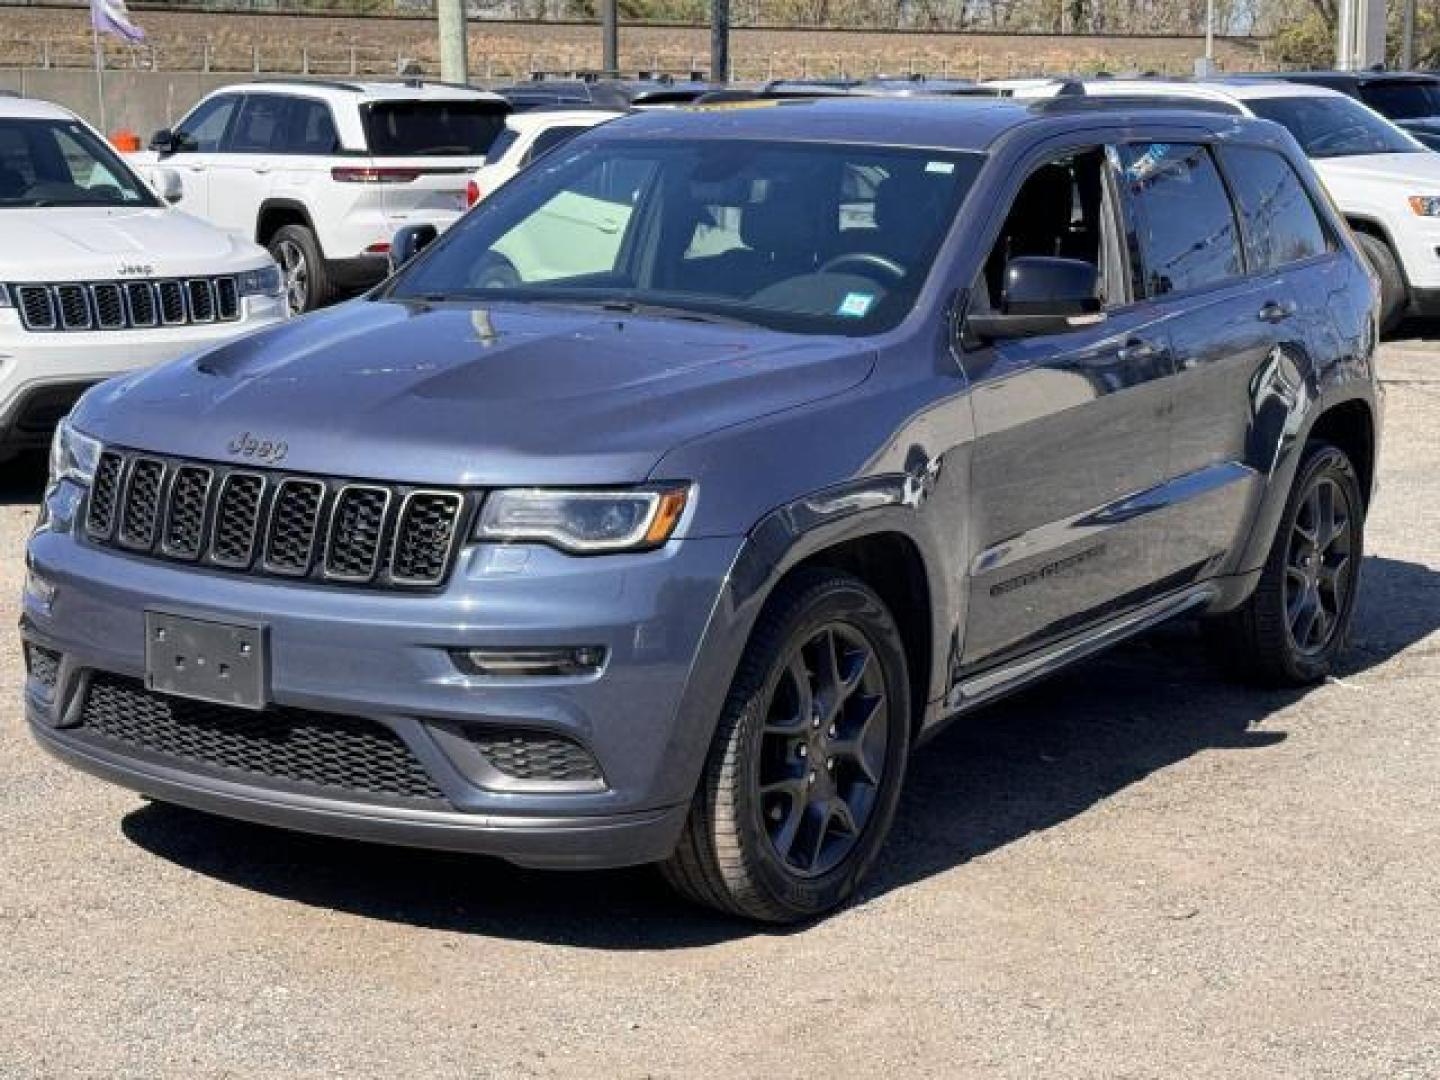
point(659, 508)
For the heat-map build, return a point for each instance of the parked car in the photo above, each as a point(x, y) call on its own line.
point(580, 89)
point(870, 416)
point(529, 136)
point(1386, 185)
point(98, 275)
point(322, 173)
point(1409, 98)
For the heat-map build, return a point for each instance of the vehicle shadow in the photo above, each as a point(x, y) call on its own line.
point(22, 479)
point(1025, 765)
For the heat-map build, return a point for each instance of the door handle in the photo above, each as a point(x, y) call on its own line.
point(262, 167)
point(1275, 311)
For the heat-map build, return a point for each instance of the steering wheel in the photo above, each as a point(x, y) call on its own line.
point(864, 258)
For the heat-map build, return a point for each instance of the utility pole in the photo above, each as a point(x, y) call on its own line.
point(454, 56)
point(1407, 37)
point(720, 40)
point(610, 36)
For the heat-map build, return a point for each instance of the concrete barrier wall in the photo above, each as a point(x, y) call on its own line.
point(140, 101)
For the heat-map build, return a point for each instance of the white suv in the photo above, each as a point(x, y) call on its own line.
point(529, 136)
point(324, 173)
point(99, 276)
point(1385, 183)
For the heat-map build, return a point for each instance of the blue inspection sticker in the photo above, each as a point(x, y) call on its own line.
point(856, 305)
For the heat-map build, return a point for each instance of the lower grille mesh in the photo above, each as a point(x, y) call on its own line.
point(43, 665)
point(346, 755)
point(536, 755)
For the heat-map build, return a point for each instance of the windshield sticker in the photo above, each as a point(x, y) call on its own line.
point(945, 167)
point(856, 305)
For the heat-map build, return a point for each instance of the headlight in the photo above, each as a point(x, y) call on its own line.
point(585, 522)
point(263, 282)
point(73, 455)
point(1425, 205)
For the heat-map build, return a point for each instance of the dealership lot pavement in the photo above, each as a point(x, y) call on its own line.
point(1137, 870)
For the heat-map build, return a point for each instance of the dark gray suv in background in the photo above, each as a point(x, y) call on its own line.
point(661, 507)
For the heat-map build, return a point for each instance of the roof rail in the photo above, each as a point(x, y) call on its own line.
point(1081, 102)
point(327, 84)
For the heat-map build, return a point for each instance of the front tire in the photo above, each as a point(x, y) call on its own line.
point(1294, 625)
point(805, 769)
point(1394, 295)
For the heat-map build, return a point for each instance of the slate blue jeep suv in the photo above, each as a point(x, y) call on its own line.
point(661, 507)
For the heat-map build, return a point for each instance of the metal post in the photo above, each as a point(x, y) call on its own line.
point(610, 35)
point(1407, 37)
point(454, 63)
point(720, 40)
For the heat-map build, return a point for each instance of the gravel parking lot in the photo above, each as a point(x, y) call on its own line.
point(1137, 870)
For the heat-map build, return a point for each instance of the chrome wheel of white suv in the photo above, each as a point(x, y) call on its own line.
point(296, 269)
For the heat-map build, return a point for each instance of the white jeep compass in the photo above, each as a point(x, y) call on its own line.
point(98, 275)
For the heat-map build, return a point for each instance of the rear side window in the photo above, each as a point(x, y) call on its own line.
point(312, 128)
point(433, 128)
point(549, 139)
point(1184, 221)
point(1281, 225)
point(503, 142)
point(261, 127)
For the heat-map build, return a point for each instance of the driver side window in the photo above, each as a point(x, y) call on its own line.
point(1064, 209)
point(203, 131)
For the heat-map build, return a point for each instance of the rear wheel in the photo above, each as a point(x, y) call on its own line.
point(1394, 295)
point(307, 284)
point(1293, 627)
point(807, 762)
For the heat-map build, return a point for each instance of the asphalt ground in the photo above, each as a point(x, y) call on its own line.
point(1139, 869)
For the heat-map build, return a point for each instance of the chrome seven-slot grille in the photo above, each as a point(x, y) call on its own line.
point(127, 305)
point(274, 523)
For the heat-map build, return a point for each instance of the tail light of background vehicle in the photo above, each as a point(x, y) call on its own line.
point(472, 193)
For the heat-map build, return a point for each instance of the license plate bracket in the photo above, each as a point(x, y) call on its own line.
point(226, 663)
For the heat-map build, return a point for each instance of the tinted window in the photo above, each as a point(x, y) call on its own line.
point(204, 129)
point(1334, 126)
point(730, 228)
point(1403, 99)
point(1185, 223)
point(1281, 225)
point(550, 138)
point(503, 142)
point(312, 128)
point(60, 163)
point(261, 126)
point(433, 128)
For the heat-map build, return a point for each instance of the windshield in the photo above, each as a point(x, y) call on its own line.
point(60, 163)
point(817, 238)
point(1327, 127)
point(1408, 99)
point(433, 128)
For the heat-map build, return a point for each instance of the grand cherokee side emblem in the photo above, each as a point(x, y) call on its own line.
point(268, 451)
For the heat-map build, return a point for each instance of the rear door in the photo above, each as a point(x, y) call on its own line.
point(1234, 320)
point(424, 152)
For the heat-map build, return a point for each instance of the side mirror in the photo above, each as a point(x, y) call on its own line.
point(164, 142)
point(168, 185)
point(409, 242)
point(1042, 294)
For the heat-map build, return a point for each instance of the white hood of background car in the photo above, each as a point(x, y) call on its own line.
point(100, 243)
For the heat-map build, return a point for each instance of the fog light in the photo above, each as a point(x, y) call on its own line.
point(38, 591)
point(532, 663)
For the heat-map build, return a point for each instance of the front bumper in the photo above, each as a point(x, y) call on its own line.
point(37, 370)
point(646, 719)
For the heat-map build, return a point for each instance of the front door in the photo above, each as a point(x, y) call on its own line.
point(1072, 429)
